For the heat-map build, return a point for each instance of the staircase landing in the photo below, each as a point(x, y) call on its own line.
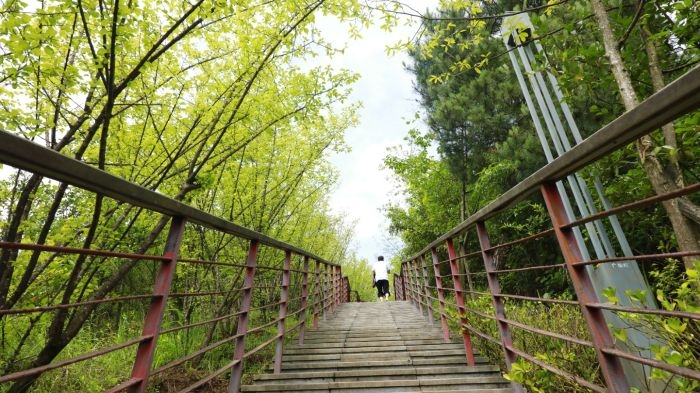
point(379, 347)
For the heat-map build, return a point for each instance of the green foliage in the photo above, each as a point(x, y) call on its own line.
point(431, 193)
point(564, 319)
point(674, 339)
point(359, 273)
point(471, 100)
point(207, 103)
point(97, 374)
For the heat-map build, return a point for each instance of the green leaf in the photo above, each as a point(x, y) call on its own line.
point(675, 358)
point(620, 334)
point(675, 325)
point(610, 294)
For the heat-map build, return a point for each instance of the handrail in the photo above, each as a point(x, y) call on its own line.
point(311, 287)
point(29, 156)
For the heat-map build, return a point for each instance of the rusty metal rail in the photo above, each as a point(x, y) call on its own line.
point(267, 277)
point(436, 288)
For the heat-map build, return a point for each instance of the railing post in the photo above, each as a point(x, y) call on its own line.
point(426, 289)
point(284, 298)
point(441, 297)
point(304, 298)
point(339, 286)
point(404, 281)
point(414, 264)
point(459, 298)
point(317, 291)
point(151, 327)
point(332, 287)
point(243, 317)
point(610, 365)
point(396, 286)
point(498, 305)
point(346, 290)
point(325, 278)
point(409, 276)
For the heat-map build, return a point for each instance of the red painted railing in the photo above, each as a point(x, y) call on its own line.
point(433, 278)
point(275, 290)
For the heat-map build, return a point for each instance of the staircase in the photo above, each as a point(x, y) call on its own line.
point(379, 347)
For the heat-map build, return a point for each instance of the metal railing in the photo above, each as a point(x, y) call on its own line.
point(259, 292)
point(462, 269)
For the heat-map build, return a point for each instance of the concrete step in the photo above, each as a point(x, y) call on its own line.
point(349, 354)
point(381, 373)
point(468, 384)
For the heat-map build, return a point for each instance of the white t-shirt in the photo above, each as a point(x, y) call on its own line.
point(381, 270)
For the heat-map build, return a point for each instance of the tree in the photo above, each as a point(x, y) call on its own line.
point(658, 26)
point(431, 195)
point(664, 178)
point(469, 94)
point(177, 97)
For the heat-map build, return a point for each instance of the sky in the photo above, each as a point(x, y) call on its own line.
point(388, 98)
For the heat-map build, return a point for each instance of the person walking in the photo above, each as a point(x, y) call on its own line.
point(380, 276)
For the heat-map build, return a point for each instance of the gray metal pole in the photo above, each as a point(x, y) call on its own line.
point(623, 276)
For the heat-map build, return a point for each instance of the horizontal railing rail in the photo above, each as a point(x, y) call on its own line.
point(259, 293)
point(458, 279)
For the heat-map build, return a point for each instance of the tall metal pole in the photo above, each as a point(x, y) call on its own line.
point(549, 107)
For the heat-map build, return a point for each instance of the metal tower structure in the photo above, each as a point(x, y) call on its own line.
point(556, 129)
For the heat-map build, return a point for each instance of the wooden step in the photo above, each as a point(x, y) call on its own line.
point(379, 347)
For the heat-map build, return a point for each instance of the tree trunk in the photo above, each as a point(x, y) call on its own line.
point(688, 238)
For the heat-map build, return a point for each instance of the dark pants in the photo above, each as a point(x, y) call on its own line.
point(382, 287)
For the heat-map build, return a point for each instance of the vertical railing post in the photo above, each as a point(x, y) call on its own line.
point(325, 278)
point(244, 317)
point(397, 286)
point(415, 285)
point(304, 299)
point(610, 365)
point(459, 298)
point(284, 298)
point(497, 300)
point(409, 277)
point(404, 280)
point(332, 282)
point(426, 289)
point(338, 285)
point(406, 271)
point(317, 296)
point(414, 264)
point(161, 288)
point(346, 290)
point(441, 297)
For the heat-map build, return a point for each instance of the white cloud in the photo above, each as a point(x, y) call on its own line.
point(386, 91)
